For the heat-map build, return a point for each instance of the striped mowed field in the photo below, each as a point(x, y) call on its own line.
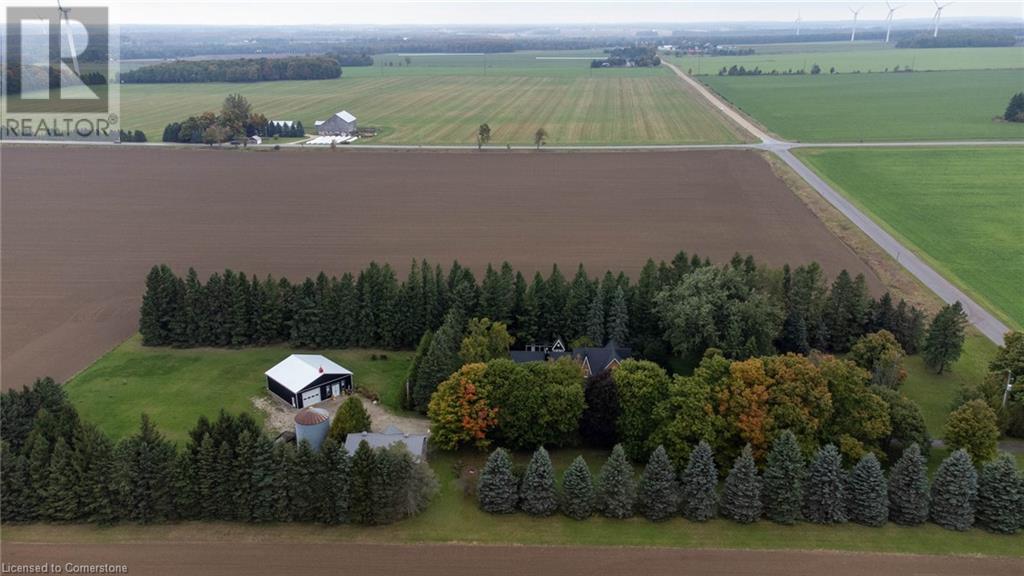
point(445, 103)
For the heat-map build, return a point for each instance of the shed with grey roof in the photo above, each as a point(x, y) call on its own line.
point(416, 444)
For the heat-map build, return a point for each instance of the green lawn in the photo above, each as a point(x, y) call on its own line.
point(873, 58)
point(878, 107)
point(933, 393)
point(175, 386)
point(962, 209)
point(443, 99)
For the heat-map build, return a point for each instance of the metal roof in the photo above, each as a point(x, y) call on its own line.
point(311, 416)
point(300, 370)
point(414, 443)
point(344, 115)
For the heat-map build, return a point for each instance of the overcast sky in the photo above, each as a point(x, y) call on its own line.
point(341, 12)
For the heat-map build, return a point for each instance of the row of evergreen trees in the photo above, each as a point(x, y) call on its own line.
point(57, 468)
point(788, 490)
point(374, 309)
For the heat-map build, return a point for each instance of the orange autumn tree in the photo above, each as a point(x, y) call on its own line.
point(459, 410)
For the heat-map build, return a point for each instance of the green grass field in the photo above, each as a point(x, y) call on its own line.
point(443, 99)
point(175, 386)
point(934, 393)
point(959, 105)
point(869, 58)
point(960, 208)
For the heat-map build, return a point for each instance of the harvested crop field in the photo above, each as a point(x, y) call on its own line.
point(82, 226)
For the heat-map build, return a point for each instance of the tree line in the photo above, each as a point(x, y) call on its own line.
point(960, 39)
point(58, 468)
point(788, 489)
point(757, 310)
point(236, 70)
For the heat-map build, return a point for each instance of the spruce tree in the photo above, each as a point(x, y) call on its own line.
point(782, 491)
point(206, 474)
point(241, 476)
point(60, 496)
point(659, 489)
point(283, 456)
point(336, 470)
point(954, 492)
point(908, 488)
point(945, 339)
point(578, 490)
point(741, 496)
point(12, 483)
point(999, 495)
point(699, 481)
point(496, 488)
point(261, 478)
point(303, 495)
point(595, 319)
point(616, 488)
point(824, 494)
point(618, 318)
point(538, 494)
point(146, 475)
point(441, 359)
point(867, 494)
point(38, 449)
point(351, 418)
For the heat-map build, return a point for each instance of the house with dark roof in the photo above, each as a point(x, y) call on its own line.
point(592, 359)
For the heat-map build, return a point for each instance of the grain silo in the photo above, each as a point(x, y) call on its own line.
point(311, 425)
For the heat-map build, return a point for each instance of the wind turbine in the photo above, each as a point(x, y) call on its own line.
point(938, 15)
point(853, 33)
point(798, 21)
point(71, 37)
point(888, 19)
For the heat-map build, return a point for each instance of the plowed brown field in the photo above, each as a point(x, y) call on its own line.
point(81, 226)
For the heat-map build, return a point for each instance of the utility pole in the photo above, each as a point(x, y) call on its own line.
point(1009, 386)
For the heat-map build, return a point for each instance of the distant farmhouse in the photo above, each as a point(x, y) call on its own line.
point(592, 360)
point(340, 124)
point(306, 379)
point(416, 444)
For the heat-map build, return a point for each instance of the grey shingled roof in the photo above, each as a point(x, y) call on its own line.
point(416, 444)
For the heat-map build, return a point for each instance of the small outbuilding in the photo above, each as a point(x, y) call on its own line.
point(340, 124)
point(416, 444)
point(306, 379)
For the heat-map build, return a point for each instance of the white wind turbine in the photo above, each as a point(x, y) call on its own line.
point(853, 33)
point(938, 16)
point(888, 19)
point(66, 24)
point(798, 21)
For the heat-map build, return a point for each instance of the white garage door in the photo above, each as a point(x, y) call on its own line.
point(311, 397)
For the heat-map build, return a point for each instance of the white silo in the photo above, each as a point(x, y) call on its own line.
point(312, 425)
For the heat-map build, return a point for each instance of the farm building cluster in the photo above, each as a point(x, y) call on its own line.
point(339, 128)
point(304, 380)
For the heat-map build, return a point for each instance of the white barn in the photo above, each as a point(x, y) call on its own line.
point(339, 124)
point(307, 379)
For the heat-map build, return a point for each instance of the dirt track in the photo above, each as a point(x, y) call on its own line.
point(80, 226)
point(225, 559)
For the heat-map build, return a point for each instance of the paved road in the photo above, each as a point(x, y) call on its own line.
point(245, 558)
point(986, 322)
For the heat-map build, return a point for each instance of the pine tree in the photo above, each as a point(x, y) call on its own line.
point(784, 472)
point(12, 483)
point(659, 489)
point(538, 494)
point(741, 496)
point(616, 487)
point(145, 474)
point(336, 470)
point(206, 475)
point(945, 339)
point(578, 490)
point(699, 481)
point(496, 489)
point(351, 418)
point(241, 476)
point(441, 360)
point(824, 494)
point(302, 484)
point(595, 319)
point(38, 449)
point(999, 495)
point(361, 488)
point(284, 456)
point(60, 497)
point(618, 318)
point(262, 480)
point(579, 305)
point(954, 492)
point(908, 488)
point(867, 494)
